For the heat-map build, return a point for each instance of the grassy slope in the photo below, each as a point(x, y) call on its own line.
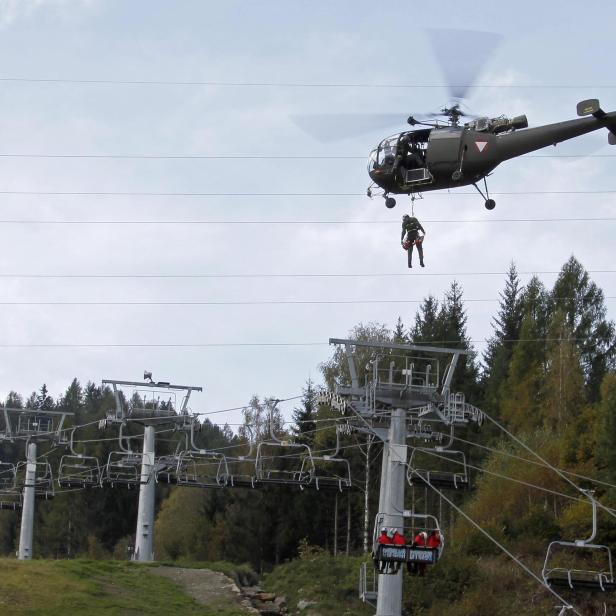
point(331, 582)
point(61, 588)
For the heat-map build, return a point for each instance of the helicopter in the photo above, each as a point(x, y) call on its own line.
point(441, 150)
point(442, 156)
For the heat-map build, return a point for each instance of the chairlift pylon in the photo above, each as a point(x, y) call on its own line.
point(561, 573)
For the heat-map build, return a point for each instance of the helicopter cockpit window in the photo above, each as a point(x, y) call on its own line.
point(482, 124)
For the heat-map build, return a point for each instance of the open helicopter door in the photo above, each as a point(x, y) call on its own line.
point(564, 560)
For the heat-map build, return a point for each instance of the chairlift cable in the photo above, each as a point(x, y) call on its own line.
point(497, 543)
point(560, 473)
point(511, 455)
point(506, 477)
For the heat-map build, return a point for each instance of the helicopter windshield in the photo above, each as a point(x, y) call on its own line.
point(384, 154)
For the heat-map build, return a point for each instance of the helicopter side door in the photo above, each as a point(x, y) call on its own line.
point(443, 155)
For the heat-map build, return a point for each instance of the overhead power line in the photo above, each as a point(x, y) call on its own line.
point(275, 302)
point(405, 274)
point(205, 345)
point(61, 193)
point(299, 222)
point(242, 156)
point(296, 84)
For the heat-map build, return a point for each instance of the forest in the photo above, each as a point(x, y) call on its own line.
point(547, 377)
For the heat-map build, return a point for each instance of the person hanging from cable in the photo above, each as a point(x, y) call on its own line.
point(411, 237)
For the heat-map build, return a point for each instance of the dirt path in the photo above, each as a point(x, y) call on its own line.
point(209, 588)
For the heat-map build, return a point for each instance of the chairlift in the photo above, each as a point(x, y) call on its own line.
point(124, 467)
point(242, 468)
point(330, 471)
point(562, 565)
point(10, 494)
point(389, 557)
point(202, 469)
point(8, 476)
point(43, 479)
point(283, 462)
point(439, 466)
point(77, 469)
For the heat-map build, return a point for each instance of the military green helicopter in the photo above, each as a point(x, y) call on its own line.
point(445, 151)
point(442, 156)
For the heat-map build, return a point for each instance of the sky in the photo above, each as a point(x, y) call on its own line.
point(106, 248)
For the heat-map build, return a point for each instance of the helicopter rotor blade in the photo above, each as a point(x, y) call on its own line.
point(461, 55)
point(327, 127)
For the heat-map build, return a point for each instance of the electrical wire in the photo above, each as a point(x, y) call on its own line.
point(291, 302)
point(296, 222)
point(296, 84)
point(533, 462)
point(242, 157)
point(84, 193)
point(294, 275)
point(499, 545)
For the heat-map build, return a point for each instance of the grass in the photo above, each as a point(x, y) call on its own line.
point(331, 582)
point(64, 588)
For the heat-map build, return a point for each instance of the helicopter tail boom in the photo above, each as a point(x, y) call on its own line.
point(593, 107)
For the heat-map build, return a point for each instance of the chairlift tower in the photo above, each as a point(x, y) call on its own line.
point(391, 391)
point(146, 407)
point(31, 479)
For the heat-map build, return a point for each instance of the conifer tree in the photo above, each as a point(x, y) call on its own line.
point(427, 327)
point(304, 416)
point(507, 324)
point(606, 429)
point(583, 304)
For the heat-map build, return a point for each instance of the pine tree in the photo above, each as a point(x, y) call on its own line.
point(304, 416)
point(606, 429)
point(583, 304)
point(427, 327)
point(507, 324)
point(399, 334)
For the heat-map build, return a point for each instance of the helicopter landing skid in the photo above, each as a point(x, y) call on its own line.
point(489, 203)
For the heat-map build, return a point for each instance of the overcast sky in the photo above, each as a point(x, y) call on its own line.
point(273, 42)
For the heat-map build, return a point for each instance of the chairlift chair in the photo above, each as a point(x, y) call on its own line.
point(124, 468)
point(202, 469)
point(77, 469)
point(285, 463)
point(10, 501)
point(388, 558)
point(8, 477)
point(43, 479)
point(560, 572)
point(442, 468)
point(330, 473)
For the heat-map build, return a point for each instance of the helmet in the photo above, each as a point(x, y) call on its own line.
point(406, 217)
point(423, 534)
point(383, 530)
